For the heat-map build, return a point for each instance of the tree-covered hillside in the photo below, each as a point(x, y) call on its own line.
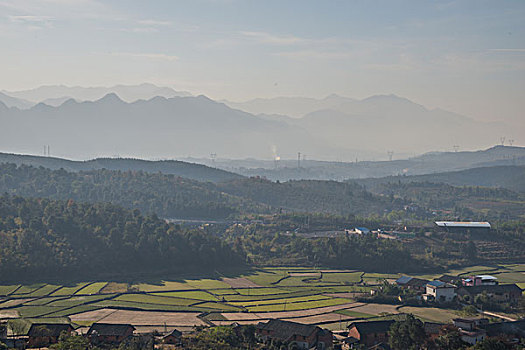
point(311, 196)
point(165, 195)
point(192, 171)
point(48, 239)
point(509, 177)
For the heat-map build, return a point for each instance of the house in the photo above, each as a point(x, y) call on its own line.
point(349, 343)
point(470, 323)
point(470, 329)
point(44, 334)
point(413, 283)
point(480, 280)
point(301, 335)
point(370, 333)
point(440, 291)
point(449, 279)
point(109, 332)
point(499, 293)
point(463, 226)
point(361, 230)
point(172, 338)
point(472, 337)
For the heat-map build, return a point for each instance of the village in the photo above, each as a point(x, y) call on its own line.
point(483, 307)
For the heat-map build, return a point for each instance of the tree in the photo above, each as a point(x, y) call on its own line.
point(407, 335)
point(490, 344)
point(450, 341)
point(70, 342)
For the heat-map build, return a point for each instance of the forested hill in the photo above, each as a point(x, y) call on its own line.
point(168, 196)
point(45, 239)
point(192, 171)
point(312, 196)
point(509, 177)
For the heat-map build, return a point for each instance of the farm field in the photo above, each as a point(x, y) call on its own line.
point(312, 296)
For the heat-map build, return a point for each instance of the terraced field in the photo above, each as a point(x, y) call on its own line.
point(302, 294)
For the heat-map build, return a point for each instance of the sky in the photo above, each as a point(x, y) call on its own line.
point(463, 56)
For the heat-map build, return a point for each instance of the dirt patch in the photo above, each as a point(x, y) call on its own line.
point(8, 314)
point(325, 318)
point(114, 287)
point(349, 295)
point(95, 315)
point(240, 282)
point(243, 316)
point(304, 274)
point(15, 302)
point(154, 318)
point(376, 309)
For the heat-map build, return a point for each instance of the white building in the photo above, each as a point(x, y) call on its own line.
point(440, 291)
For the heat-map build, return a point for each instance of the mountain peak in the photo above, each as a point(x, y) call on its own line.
point(110, 98)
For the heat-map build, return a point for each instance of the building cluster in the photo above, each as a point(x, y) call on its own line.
point(375, 334)
point(45, 334)
point(447, 288)
point(359, 335)
point(295, 335)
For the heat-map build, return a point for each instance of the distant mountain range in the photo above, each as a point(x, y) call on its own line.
point(174, 127)
point(55, 95)
point(159, 127)
point(436, 162)
point(509, 177)
point(183, 169)
point(380, 123)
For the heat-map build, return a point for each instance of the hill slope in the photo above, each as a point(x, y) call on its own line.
point(192, 171)
point(509, 177)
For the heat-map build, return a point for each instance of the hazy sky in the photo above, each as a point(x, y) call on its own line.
point(464, 56)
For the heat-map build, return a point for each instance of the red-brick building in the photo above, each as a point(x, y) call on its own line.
point(302, 335)
point(370, 333)
point(44, 334)
point(109, 333)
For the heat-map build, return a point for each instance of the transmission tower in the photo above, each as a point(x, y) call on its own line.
point(456, 148)
point(298, 160)
point(502, 140)
point(390, 155)
point(511, 142)
point(213, 156)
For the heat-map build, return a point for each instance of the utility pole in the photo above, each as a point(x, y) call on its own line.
point(502, 140)
point(456, 148)
point(298, 160)
point(213, 156)
point(390, 155)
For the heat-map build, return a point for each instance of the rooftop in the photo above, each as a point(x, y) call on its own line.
point(109, 329)
point(48, 329)
point(285, 329)
point(493, 288)
point(473, 224)
point(367, 327)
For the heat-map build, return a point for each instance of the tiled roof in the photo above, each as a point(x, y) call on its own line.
point(448, 279)
point(106, 329)
point(498, 288)
point(48, 329)
point(285, 329)
point(367, 327)
point(403, 279)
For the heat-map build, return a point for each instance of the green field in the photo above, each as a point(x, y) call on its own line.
point(277, 290)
